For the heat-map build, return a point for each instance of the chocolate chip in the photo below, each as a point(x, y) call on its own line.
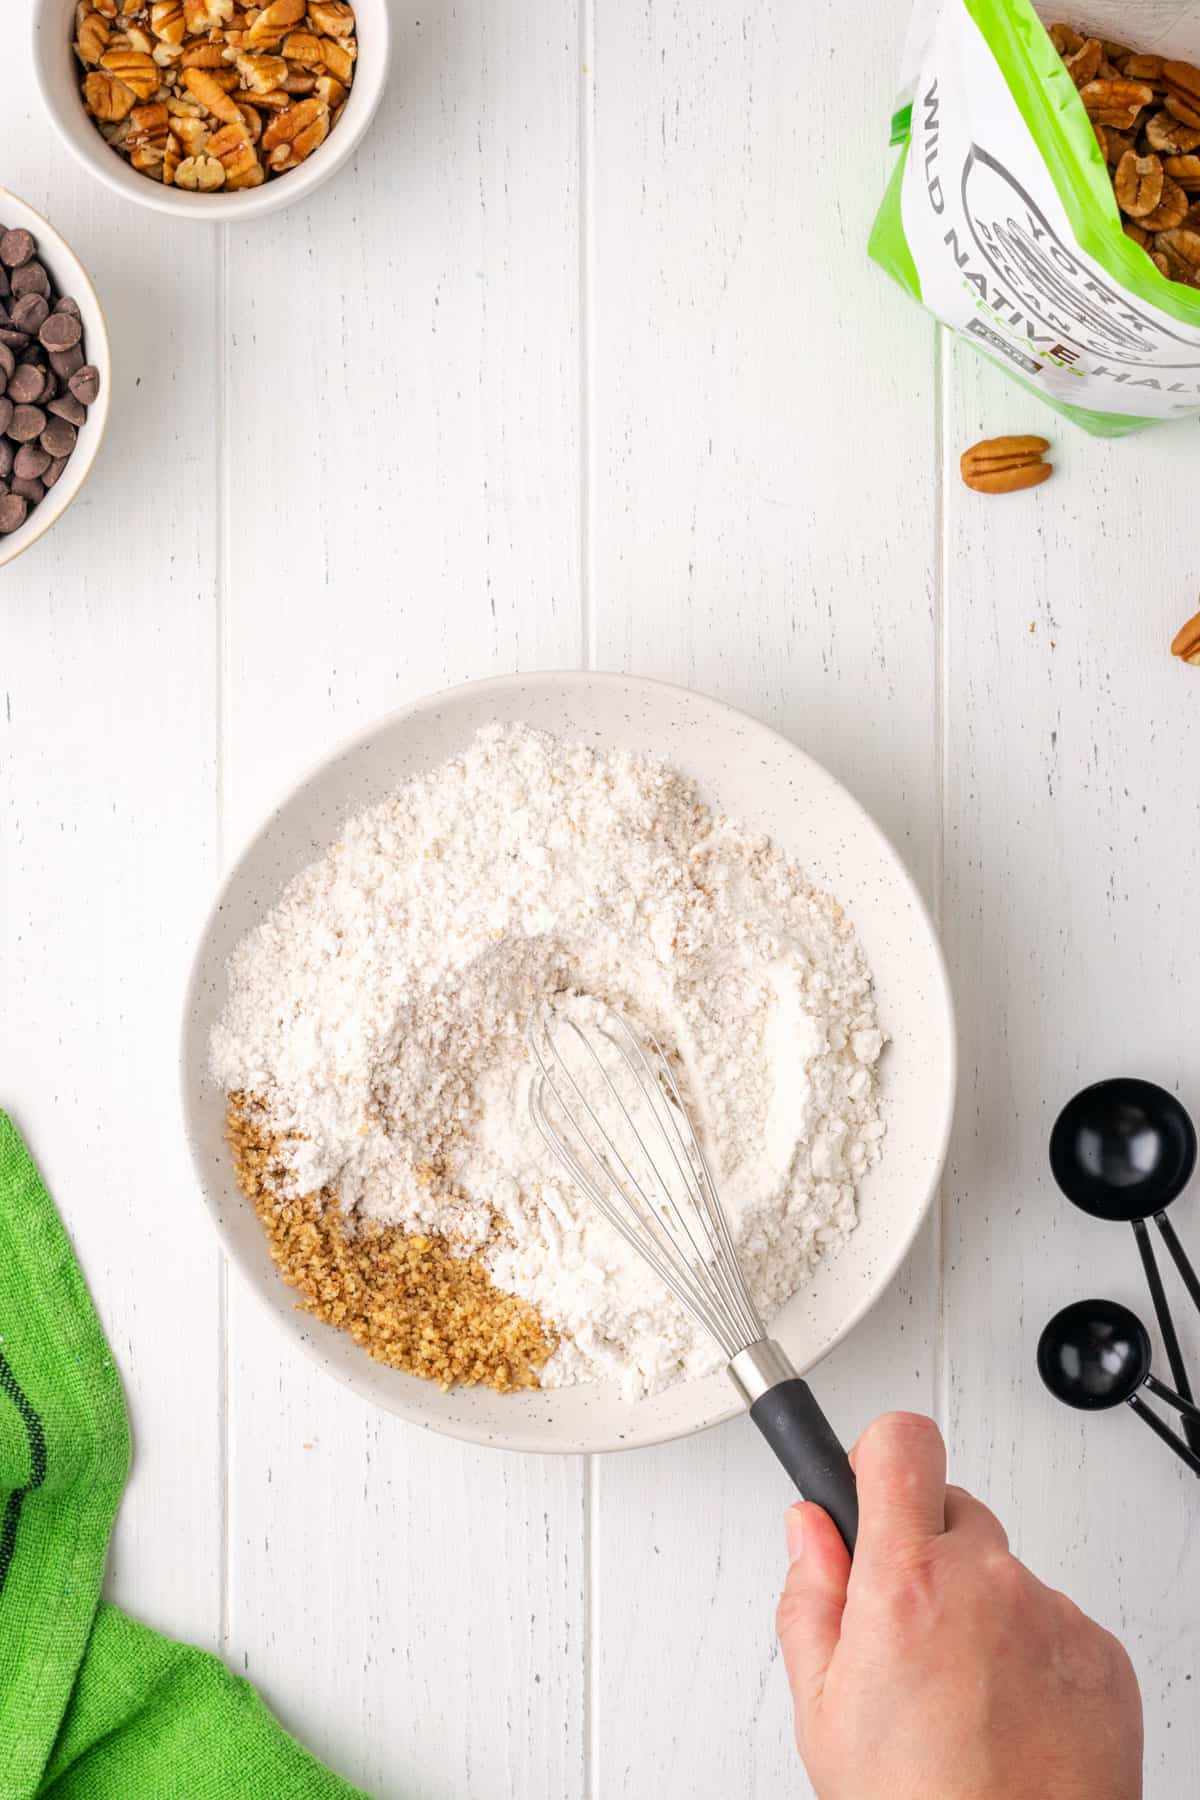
point(46, 381)
point(61, 331)
point(65, 362)
point(25, 384)
point(31, 461)
point(68, 408)
point(58, 437)
point(84, 382)
point(26, 423)
point(16, 247)
point(30, 278)
point(29, 311)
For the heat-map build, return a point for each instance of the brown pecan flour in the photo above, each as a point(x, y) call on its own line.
point(406, 1299)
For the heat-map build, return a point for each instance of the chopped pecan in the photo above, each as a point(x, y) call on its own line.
point(212, 96)
point(260, 73)
point(273, 22)
point(172, 157)
point(238, 156)
point(332, 18)
point(91, 36)
point(135, 68)
point(303, 47)
point(1004, 465)
point(206, 15)
point(167, 21)
point(106, 97)
point(295, 134)
point(201, 173)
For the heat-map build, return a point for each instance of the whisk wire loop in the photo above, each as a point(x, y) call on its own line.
point(681, 1231)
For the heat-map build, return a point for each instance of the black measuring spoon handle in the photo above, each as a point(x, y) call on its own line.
point(1165, 1433)
point(1166, 1325)
point(1188, 1408)
point(1182, 1261)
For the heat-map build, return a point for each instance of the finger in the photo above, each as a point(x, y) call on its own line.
point(809, 1619)
point(900, 1465)
point(973, 1522)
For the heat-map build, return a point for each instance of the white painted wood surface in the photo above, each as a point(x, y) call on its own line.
point(583, 362)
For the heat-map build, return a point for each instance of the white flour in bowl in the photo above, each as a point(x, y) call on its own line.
point(381, 1007)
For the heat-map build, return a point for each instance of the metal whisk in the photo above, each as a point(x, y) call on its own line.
point(609, 1106)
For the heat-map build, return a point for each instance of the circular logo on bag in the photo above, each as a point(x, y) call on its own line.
point(1050, 281)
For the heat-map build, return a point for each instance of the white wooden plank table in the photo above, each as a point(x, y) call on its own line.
point(582, 363)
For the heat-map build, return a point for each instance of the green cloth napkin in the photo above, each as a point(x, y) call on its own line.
point(94, 1706)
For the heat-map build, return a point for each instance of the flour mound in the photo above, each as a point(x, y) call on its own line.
point(380, 1011)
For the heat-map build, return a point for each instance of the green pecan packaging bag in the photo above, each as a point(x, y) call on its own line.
point(1000, 215)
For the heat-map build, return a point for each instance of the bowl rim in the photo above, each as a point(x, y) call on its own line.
point(309, 1342)
point(221, 208)
point(10, 549)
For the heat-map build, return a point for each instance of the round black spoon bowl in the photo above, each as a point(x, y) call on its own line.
point(1122, 1150)
point(1095, 1354)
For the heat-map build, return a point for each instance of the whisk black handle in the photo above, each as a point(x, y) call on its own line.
point(807, 1445)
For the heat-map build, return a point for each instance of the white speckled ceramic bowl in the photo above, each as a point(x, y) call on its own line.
point(59, 77)
point(759, 778)
point(69, 277)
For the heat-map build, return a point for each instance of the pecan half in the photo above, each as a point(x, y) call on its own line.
point(1185, 170)
point(1186, 642)
point(1138, 184)
point(1083, 65)
point(1116, 102)
point(1171, 209)
point(1170, 136)
point(1004, 465)
point(1144, 68)
point(1182, 82)
point(1065, 40)
point(1183, 243)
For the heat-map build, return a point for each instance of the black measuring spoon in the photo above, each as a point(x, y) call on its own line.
point(1123, 1150)
point(1095, 1354)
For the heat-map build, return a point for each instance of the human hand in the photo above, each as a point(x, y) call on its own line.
point(938, 1667)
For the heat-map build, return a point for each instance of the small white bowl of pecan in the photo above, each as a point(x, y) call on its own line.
point(211, 109)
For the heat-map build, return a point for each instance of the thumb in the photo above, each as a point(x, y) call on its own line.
point(809, 1618)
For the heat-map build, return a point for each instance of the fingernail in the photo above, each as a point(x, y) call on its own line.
point(794, 1524)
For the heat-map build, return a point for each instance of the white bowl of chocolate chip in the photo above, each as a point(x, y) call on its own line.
point(54, 376)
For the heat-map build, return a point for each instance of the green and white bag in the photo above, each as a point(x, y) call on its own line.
point(1000, 215)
